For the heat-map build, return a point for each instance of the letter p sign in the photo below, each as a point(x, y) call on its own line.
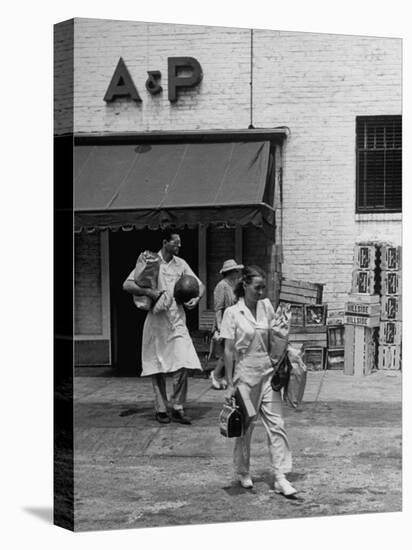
point(183, 65)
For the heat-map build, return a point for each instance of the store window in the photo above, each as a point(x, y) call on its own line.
point(378, 164)
point(87, 284)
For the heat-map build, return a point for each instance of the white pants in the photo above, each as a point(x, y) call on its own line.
point(268, 405)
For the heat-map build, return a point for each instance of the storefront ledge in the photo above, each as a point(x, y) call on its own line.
point(381, 217)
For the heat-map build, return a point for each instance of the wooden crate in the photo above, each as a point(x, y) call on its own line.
point(336, 337)
point(335, 317)
point(390, 257)
point(355, 297)
point(297, 318)
point(309, 330)
point(360, 350)
point(363, 281)
point(300, 292)
point(201, 340)
point(390, 332)
point(315, 314)
point(314, 357)
point(308, 339)
point(364, 256)
point(390, 357)
point(391, 308)
point(363, 320)
point(335, 359)
point(391, 283)
point(308, 336)
point(201, 343)
point(206, 319)
point(356, 308)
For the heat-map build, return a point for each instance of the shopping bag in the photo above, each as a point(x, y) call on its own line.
point(279, 332)
point(146, 275)
point(293, 393)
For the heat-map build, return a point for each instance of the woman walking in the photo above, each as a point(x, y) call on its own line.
point(245, 328)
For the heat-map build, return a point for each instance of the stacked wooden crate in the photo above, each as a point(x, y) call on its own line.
point(390, 333)
point(335, 340)
point(308, 324)
point(373, 319)
point(362, 315)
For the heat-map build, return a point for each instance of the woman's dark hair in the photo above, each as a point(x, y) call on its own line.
point(249, 271)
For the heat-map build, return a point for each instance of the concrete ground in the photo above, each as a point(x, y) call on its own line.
point(132, 472)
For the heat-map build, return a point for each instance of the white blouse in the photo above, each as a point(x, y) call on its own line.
point(250, 335)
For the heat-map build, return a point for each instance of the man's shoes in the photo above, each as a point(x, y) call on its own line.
point(179, 416)
point(246, 481)
point(282, 486)
point(162, 417)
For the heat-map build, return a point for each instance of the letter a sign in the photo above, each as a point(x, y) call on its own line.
point(121, 84)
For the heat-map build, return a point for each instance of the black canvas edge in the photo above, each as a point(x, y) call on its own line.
point(63, 295)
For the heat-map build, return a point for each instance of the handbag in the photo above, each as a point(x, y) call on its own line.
point(281, 376)
point(231, 420)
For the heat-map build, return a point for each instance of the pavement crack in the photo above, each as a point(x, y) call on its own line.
point(149, 441)
point(201, 394)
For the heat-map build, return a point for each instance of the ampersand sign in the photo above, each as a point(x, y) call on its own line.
point(152, 83)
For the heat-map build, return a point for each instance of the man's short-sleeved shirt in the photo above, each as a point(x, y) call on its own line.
point(223, 295)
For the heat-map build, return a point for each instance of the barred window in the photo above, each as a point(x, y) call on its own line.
point(379, 164)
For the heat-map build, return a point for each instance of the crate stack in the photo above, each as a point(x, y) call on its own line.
point(362, 312)
point(335, 339)
point(308, 324)
point(390, 333)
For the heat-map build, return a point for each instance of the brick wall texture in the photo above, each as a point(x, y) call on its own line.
point(315, 84)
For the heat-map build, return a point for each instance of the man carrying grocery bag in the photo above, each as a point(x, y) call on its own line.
point(167, 347)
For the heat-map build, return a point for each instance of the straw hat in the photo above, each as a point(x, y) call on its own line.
point(230, 265)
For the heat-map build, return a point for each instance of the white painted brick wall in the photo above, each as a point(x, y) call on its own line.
point(316, 84)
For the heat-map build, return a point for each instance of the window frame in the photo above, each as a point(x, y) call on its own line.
point(385, 120)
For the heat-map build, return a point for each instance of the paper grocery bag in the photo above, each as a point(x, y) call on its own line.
point(297, 378)
point(279, 333)
point(146, 274)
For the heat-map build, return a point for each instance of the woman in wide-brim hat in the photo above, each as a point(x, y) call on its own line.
point(223, 297)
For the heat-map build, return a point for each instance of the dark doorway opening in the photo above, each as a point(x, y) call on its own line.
point(126, 320)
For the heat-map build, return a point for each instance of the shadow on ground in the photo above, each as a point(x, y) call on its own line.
point(43, 513)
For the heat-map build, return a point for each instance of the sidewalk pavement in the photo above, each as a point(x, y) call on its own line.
point(131, 471)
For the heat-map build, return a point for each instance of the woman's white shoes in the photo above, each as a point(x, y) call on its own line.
point(246, 481)
point(217, 384)
point(282, 486)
